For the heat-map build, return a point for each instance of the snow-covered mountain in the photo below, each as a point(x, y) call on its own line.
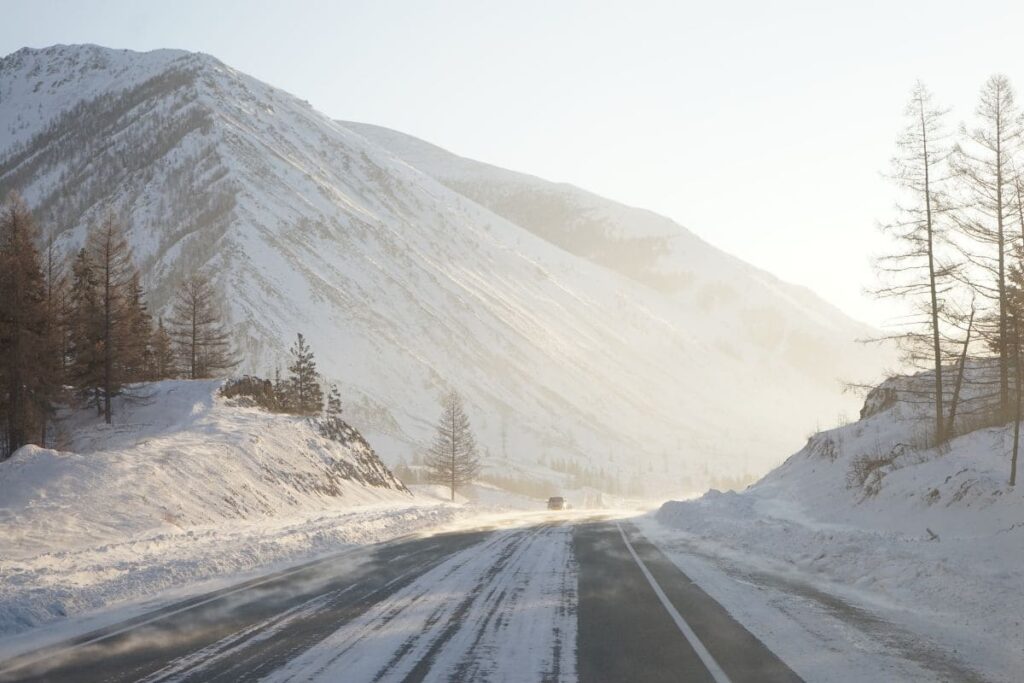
point(736, 304)
point(576, 327)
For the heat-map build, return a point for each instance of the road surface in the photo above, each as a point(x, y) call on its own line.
point(554, 600)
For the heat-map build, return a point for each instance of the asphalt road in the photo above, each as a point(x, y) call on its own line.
point(549, 601)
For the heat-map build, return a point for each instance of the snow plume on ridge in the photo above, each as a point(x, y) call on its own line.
point(407, 283)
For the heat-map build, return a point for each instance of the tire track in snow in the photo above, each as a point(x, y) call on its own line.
point(244, 638)
point(482, 615)
point(301, 634)
point(453, 622)
point(219, 637)
point(354, 638)
point(547, 560)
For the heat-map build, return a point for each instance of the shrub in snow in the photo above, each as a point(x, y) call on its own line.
point(249, 391)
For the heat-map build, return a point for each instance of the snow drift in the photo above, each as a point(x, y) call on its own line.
point(929, 537)
point(185, 486)
point(179, 458)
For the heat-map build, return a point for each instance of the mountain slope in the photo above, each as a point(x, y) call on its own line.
point(407, 282)
point(639, 244)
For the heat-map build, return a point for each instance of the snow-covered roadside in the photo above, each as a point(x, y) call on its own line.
point(910, 573)
point(185, 492)
point(827, 630)
point(56, 595)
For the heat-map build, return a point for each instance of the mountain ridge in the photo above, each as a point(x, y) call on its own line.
point(388, 138)
point(406, 287)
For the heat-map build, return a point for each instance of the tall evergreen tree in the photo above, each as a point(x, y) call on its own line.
point(86, 364)
point(307, 397)
point(452, 459)
point(137, 353)
point(161, 357)
point(199, 330)
point(107, 249)
point(25, 383)
point(334, 402)
point(57, 302)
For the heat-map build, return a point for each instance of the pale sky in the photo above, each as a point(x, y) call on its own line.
point(762, 126)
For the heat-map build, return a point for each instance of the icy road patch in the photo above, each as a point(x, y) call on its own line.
point(485, 613)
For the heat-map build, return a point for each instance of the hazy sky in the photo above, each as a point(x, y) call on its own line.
point(762, 126)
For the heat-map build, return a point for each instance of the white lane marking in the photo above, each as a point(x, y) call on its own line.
point(709, 662)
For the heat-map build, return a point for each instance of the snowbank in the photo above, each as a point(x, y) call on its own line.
point(177, 458)
point(930, 538)
point(184, 487)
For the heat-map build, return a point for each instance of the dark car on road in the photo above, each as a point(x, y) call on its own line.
point(556, 503)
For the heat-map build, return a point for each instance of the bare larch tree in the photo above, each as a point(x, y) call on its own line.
point(986, 166)
point(199, 330)
point(452, 459)
point(108, 251)
point(162, 360)
point(915, 271)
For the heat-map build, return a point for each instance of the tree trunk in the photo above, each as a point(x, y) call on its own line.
point(454, 438)
point(1016, 417)
point(959, 376)
point(939, 412)
point(1004, 364)
point(108, 351)
point(195, 331)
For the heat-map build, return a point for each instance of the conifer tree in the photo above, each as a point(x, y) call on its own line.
point(334, 403)
point(85, 367)
point(332, 426)
point(199, 330)
point(25, 384)
point(161, 357)
point(108, 251)
point(452, 459)
point(282, 393)
point(307, 397)
point(137, 354)
point(56, 344)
